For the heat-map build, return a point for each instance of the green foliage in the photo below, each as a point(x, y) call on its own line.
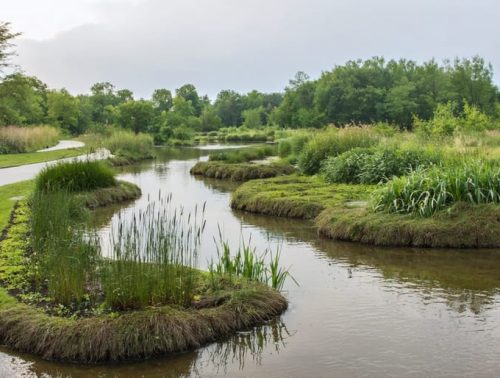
point(247, 264)
point(426, 191)
point(243, 154)
point(26, 139)
point(74, 176)
point(371, 166)
point(292, 146)
point(63, 110)
point(126, 144)
point(135, 115)
point(332, 143)
point(240, 171)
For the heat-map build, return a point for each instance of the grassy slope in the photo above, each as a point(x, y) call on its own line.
point(22, 188)
point(295, 196)
point(14, 160)
point(460, 226)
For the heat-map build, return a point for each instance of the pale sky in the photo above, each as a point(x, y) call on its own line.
point(237, 44)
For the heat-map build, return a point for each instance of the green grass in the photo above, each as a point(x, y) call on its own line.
point(426, 191)
point(75, 176)
point(461, 226)
point(296, 196)
point(14, 160)
point(18, 189)
point(241, 171)
point(244, 154)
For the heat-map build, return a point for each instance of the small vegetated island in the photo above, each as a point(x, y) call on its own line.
point(64, 297)
point(435, 187)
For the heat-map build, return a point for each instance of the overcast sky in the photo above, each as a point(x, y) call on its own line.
point(237, 44)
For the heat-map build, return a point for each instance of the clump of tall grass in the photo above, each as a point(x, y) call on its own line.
point(64, 254)
point(333, 142)
point(426, 191)
point(375, 165)
point(128, 145)
point(75, 176)
point(247, 264)
point(152, 257)
point(244, 154)
point(291, 147)
point(14, 139)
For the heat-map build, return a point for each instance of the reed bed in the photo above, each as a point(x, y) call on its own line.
point(426, 191)
point(75, 176)
point(14, 139)
point(153, 257)
point(128, 145)
point(243, 155)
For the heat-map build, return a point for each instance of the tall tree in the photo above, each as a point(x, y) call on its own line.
point(6, 37)
point(162, 100)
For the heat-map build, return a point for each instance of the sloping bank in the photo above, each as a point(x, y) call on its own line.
point(155, 330)
point(340, 212)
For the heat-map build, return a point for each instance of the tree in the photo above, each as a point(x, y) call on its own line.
point(209, 120)
point(63, 110)
point(253, 118)
point(123, 95)
point(228, 107)
point(6, 36)
point(135, 115)
point(22, 100)
point(188, 92)
point(102, 95)
point(162, 100)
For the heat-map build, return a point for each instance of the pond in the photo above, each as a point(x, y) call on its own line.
point(358, 310)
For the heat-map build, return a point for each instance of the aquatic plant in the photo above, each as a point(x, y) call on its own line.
point(14, 139)
point(75, 176)
point(244, 154)
point(247, 264)
point(332, 143)
point(426, 191)
point(240, 171)
point(151, 257)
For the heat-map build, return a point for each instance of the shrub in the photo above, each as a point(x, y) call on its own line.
point(426, 191)
point(15, 139)
point(75, 176)
point(292, 146)
point(332, 143)
point(128, 145)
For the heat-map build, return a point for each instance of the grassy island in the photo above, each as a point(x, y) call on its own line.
point(62, 298)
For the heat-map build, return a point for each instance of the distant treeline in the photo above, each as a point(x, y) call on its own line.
point(357, 92)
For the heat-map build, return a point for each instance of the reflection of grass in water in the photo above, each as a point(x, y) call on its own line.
point(465, 279)
point(246, 346)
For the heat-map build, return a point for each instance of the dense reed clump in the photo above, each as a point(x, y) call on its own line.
point(333, 143)
point(14, 139)
point(247, 264)
point(244, 154)
point(152, 257)
point(75, 176)
point(63, 254)
point(426, 191)
point(126, 144)
point(374, 165)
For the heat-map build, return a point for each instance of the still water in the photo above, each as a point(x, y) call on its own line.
point(359, 310)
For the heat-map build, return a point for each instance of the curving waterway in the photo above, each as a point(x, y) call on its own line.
point(359, 310)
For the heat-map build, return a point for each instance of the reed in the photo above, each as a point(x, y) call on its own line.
point(75, 176)
point(126, 144)
point(14, 139)
point(244, 154)
point(152, 257)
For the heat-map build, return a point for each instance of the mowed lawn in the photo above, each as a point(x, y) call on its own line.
point(14, 160)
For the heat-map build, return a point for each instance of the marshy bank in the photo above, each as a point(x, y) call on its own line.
point(352, 303)
point(64, 297)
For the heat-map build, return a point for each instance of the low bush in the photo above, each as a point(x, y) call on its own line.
point(291, 147)
point(426, 191)
point(75, 176)
point(333, 142)
point(371, 166)
point(15, 139)
point(126, 144)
